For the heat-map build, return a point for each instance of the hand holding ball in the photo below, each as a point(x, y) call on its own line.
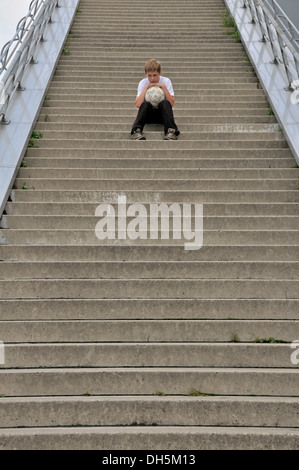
point(155, 95)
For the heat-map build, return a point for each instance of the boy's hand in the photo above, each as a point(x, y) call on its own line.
point(168, 96)
point(160, 85)
point(140, 99)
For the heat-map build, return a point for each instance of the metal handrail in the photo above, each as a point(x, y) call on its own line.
point(18, 53)
point(282, 35)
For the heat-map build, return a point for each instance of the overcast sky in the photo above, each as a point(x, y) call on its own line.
point(11, 12)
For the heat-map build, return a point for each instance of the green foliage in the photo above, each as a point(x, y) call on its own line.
point(198, 393)
point(269, 340)
point(66, 52)
point(229, 22)
point(35, 136)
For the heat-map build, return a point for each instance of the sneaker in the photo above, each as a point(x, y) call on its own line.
point(137, 135)
point(170, 135)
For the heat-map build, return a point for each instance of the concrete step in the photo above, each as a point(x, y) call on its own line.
point(89, 26)
point(180, 354)
point(172, 63)
point(167, 197)
point(187, 108)
point(181, 96)
point(126, 173)
point(49, 127)
point(181, 49)
point(171, 157)
point(170, 438)
point(211, 237)
point(85, 121)
point(131, 309)
point(147, 331)
point(148, 411)
point(136, 184)
point(169, 63)
point(151, 252)
point(134, 67)
point(169, 59)
point(150, 270)
point(119, 49)
point(181, 113)
point(36, 166)
point(125, 143)
point(217, 82)
point(238, 67)
point(255, 211)
point(89, 221)
point(149, 288)
point(283, 382)
point(124, 57)
point(257, 102)
point(83, 161)
point(215, 76)
point(88, 20)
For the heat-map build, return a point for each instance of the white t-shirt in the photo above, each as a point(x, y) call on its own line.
point(164, 80)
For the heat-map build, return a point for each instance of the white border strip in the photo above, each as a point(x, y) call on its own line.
point(26, 105)
point(272, 76)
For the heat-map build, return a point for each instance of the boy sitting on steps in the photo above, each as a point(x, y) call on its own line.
point(147, 114)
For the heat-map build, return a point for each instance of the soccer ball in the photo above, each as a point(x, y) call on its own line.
point(155, 95)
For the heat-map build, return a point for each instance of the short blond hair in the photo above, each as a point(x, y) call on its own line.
point(152, 65)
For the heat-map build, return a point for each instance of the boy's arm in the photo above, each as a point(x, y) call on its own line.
point(140, 98)
point(168, 96)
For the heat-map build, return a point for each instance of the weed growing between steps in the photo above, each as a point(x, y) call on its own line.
point(66, 52)
point(269, 340)
point(35, 136)
point(236, 339)
point(198, 393)
point(229, 22)
point(270, 112)
point(193, 393)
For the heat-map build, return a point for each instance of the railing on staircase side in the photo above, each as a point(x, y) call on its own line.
point(39, 40)
point(282, 35)
point(18, 53)
point(271, 41)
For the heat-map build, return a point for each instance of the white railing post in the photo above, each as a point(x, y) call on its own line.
point(271, 41)
point(18, 54)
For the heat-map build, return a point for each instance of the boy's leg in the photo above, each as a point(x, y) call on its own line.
point(143, 116)
point(166, 111)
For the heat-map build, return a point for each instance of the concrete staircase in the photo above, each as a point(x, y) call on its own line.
point(146, 345)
